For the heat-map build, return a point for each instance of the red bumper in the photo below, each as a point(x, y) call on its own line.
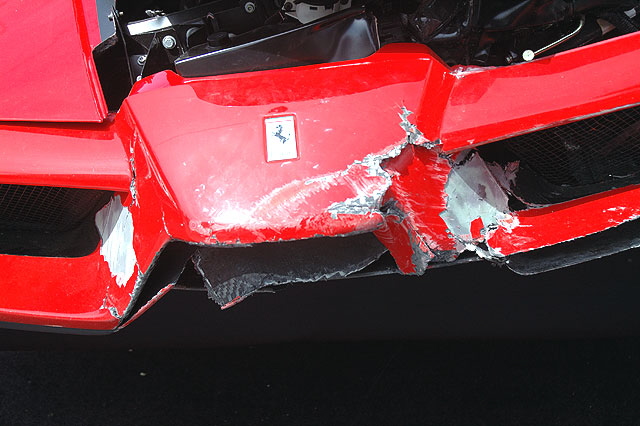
point(382, 147)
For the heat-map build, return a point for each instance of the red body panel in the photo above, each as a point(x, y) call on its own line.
point(49, 74)
point(58, 292)
point(377, 139)
point(209, 146)
point(492, 104)
point(415, 231)
point(76, 156)
point(554, 224)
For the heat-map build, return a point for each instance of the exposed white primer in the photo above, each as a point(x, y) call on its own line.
point(473, 193)
point(115, 224)
point(483, 254)
point(510, 222)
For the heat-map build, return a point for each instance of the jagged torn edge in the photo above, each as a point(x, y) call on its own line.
point(368, 202)
point(290, 266)
point(115, 225)
point(473, 193)
point(365, 177)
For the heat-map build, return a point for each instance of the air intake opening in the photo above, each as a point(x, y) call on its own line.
point(573, 160)
point(49, 221)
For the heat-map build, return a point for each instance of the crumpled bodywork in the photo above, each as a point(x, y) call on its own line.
point(386, 162)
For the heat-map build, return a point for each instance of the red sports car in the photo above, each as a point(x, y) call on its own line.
point(279, 141)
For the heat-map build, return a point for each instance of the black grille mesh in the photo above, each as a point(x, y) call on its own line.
point(46, 208)
point(586, 152)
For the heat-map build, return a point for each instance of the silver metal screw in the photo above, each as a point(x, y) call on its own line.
point(110, 16)
point(250, 7)
point(169, 42)
point(142, 59)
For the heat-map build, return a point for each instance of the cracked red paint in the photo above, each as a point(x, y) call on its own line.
point(417, 192)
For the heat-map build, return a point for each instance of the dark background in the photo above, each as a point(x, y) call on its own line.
point(472, 344)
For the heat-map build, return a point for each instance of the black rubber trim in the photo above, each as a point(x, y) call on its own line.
point(595, 246)
point(54, 329)
point(166, 269)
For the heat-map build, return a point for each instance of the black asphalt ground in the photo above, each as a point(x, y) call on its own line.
point(399, 383)
point(472, 345)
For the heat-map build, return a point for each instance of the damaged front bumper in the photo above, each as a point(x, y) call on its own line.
point(308, 174)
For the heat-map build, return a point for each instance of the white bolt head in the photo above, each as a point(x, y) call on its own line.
point(528, 55)
point(169, 42)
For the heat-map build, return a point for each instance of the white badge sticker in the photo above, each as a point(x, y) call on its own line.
point(281, 138)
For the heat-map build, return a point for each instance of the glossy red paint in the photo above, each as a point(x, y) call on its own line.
point(70, 155)
point(491, 104)
point(212, 135)
point(187, 157)
point(535, 228)
point(89, 10)
point(56, 292)
point(48, 75)
point(80, 292)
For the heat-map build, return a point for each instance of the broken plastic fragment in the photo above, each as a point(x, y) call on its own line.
point(232, 274)
point(473, 198)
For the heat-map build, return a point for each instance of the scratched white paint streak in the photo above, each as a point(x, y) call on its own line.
point(115, 224)
point(365, 179)
point(282, 205)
